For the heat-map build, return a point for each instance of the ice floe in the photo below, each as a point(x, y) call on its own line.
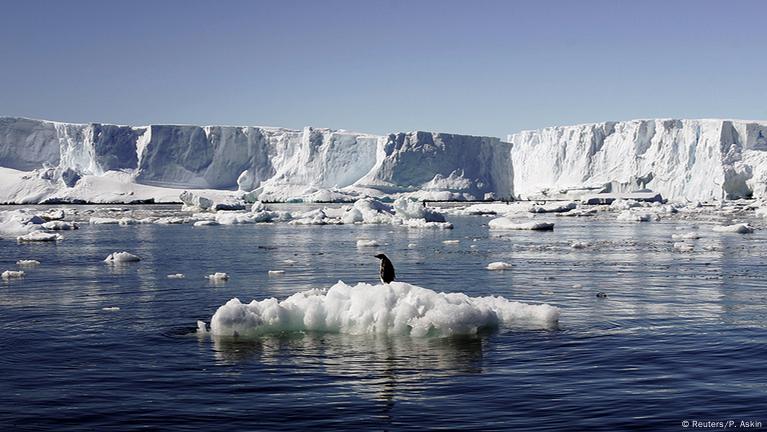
point(739, 228)
point(12, 274)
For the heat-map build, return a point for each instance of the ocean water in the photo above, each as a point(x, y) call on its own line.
point(679, 337)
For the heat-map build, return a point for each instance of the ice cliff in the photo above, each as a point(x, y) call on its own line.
point(275, 163)
point(43, 161)
point(682, 159)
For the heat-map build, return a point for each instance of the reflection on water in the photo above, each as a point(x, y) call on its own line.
point(375, 366)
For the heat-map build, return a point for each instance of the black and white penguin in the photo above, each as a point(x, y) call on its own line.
point(387, 269)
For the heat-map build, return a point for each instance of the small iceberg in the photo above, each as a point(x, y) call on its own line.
point(176, 276)
point(27, 263)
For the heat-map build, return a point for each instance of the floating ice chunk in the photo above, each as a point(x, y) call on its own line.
point(409, 209)
point(577, 286)
point(176, 276)
point(740, 228)
point(234, 218)
point(218, 277)
point(258, 207)
point(290, 262)
point(169, 220)
point(683, 247)
point(53, 214)
point(110, 309)
point(553, 207)
point(621, 204)
point(499, 265)
point(686, 236)
point(368, 211)
point(422, 223)
point(276, 272)
point(121, 257)
point(39, 236)
point(206, 223)
point(202, 329)
point(103, 221)
point(451, 242)
point(27, 263)
point(412, 245)
point(57, 225)
point(504, 223)
point(314, 217)
point(12, 274)
point(395, 308)
point(194, 202)
point(367, 243)
point(128, 221)
point(580, 245)
point(579, 213)
point(635, 216)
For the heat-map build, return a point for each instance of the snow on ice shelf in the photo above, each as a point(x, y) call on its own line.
point(397, 308)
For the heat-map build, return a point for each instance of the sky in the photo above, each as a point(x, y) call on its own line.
point(474, 67)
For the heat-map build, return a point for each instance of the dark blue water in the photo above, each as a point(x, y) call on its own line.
point(681, 336)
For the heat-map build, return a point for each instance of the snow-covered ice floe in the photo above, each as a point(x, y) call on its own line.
point(27, 263)
point(367, 243)
point(740, 228)
point(638, 216)
point(397, 308)
point(121, 257)
point(503, 223)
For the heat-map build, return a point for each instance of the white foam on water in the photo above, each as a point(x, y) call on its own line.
point(394, 308)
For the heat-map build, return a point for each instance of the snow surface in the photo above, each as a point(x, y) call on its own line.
point(396, 308)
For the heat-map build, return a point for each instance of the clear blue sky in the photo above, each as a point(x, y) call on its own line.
point(480, 67)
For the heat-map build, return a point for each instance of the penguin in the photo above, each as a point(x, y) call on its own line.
point(387, 269)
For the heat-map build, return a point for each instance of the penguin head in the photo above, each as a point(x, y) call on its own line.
point(380, 256)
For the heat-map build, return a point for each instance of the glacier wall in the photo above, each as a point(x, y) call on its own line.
point(281, 162)
point(701, 160)
point(682, 159)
